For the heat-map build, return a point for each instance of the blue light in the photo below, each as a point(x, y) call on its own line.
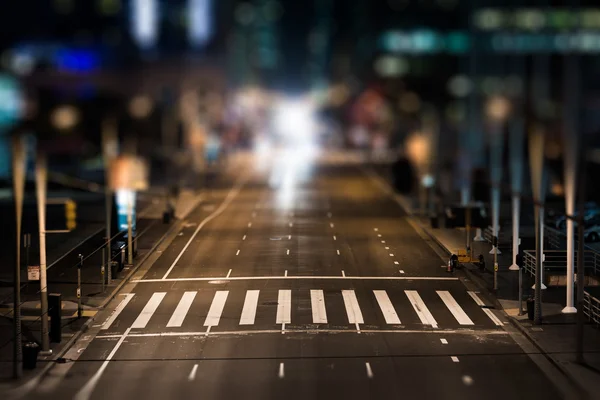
point(76, 60)
point(144, 22)
point(199, 22)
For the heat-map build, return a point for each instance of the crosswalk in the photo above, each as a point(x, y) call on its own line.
point(322, 308)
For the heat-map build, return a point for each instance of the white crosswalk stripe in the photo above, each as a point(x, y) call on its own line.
point(420, 308)
point(395, 310)
point(249, 310)
point(352, 308)
point(284, 307)
point(216, 308)
point(148, 311)
point(182, 309)
point(386, 306)
point(317, 302)
point(454, 308)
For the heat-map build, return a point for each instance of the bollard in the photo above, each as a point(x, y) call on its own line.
point(478, 236)
point(79, 266)
point(55, 313)
point(30, 354)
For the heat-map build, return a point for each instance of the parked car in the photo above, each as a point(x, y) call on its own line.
point(592, 211)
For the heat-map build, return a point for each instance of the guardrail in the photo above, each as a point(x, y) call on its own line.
point(503, 239)
point(591, 307)
point(557, 259)
point(554, 238)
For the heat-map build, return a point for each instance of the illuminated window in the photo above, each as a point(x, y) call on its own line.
point(199, 21)
point(144, 21)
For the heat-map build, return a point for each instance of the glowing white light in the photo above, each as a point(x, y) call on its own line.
point(295, 120)
point(199, 26)
point(65, 117)
point(144, 22)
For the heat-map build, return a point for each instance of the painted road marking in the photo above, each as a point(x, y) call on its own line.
point(291, 224)
point(487, 311)
point(454, 358)
point(444, 341)
point(454, 308)
point(244, 238)
point(284, 307)
point(249, 309)
point(383, 241)
point(391, 255)
point(249, 224)
point(379, 235)
point(369, 370)
point(352, 308)
point(375, 229)
point(334, 238)
point(192, 374)
point(420, 308)
point(387, 248)
point(317, 302)
point(338, 252)
point(281, 373)
point(343, 274)
point(329, 215)
point(149, 309)
point(331, 225)
point(289, 237)
point(228, 274)
point(288, 252)
point(285, 273)
point(255, 278)
point(216, 308)
point(182, 309)
point(238, 252)
point(396, 262)
point(117, 311)
point(386, 306)
point(401, 271)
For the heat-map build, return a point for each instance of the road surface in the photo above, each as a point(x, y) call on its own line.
point(300, 281)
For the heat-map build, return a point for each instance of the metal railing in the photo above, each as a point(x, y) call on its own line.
point(503, 239)
point(557, 259)
point(591, 307)
point(554, 238)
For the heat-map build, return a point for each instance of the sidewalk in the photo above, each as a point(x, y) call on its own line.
point(556, 337)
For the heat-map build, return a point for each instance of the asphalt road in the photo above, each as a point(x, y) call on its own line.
point(297, 283)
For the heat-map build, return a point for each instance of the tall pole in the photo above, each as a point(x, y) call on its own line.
point(130, 228)
point(109, 151)
point(41, 180)
point(496, 144)
point(19, 162)
point(580, 266)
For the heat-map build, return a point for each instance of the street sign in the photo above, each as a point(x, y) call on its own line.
point(33, 272)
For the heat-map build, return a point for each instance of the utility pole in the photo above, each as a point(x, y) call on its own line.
point(18, 167)
point(109, 152)
point(41, 180)
point(581, 260)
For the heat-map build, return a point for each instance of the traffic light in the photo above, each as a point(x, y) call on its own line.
point(70, 214)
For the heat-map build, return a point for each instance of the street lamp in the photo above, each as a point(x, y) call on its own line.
point(497, 110)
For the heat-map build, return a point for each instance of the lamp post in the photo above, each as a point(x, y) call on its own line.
point(497, 110)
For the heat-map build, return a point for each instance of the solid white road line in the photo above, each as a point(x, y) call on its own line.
point(281, 373)
point(192, 374)
point(386, 306)
point(454, 358)
point(249, 309)
point(352, 308)
point(232, 194)
point(285, 273)
point(259, 278)
point(216, 308)
point(369, 370)
point(228, 274)
point(444, 341)
point(151, 306)
point(343, 274)
point(420, 308)
point(117, 311)
point(284, 307)
point(317, 302)
point(182, 309)
point(487, 311)
point(86, 391)
point(454, 308)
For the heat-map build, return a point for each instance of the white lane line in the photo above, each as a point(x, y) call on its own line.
point(487, 311)
point(383, 241)
point(401, 271)
point(291, 224)
point(386, 306)
point(249, 224)
point(216, 308)
point(343, 274)
point(317, 303)
point(338, 252)
point(334, 238)
point(86, 391)
point(207, 331)
point(182, 309)
point(232, 194)
point(454, 359)
point(237, 253)
point(454, 308)
point(288, 252)
point(331, 225)
point(285, 273)
point(289, 237)
point(117, 311)
point(228, 274)
point(249, 309)
point(281, 373)
point(375, 229)
point(284, 307)
point(244, 238)
point(379, 235)
point(387, 248)
point(259, 278)
point(352, 308)
point(369, 370)
point(391, 255)
point(396, 262)
point(192, 374)
point(444, 341)
point(149, 309)
point(420, 308)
